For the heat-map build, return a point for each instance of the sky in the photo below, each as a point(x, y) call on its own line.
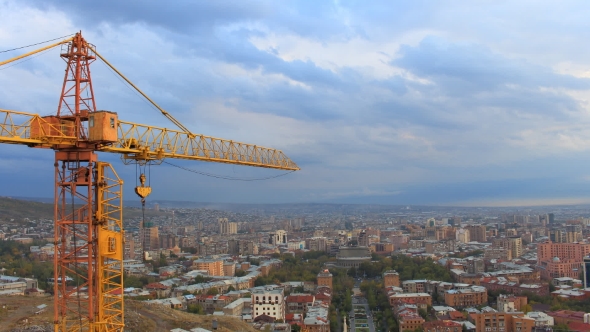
point(481, 103)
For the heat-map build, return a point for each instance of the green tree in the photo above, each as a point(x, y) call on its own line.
point(196, 309)
point(212, 291)
point(132, 281)
point(199, 279)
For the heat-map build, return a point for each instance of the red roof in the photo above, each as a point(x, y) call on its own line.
point(300, 298)
point(579, 315)
point(577, 326)
point(442, 323)
point(117, 291)
point(456, 315)
point(156, 285)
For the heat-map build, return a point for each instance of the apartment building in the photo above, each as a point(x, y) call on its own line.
point(268, 301)
point(213, 266)
point(467, 297)
point(502, 322)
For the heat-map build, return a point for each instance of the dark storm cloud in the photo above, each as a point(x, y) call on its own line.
point(181, 16)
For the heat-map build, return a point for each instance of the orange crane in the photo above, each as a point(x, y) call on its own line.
point(88, 210)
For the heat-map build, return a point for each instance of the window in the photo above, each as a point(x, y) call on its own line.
point(112, 244)
point(91, 121)
point(112, 122)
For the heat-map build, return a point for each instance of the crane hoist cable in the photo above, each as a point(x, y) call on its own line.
point(43, 42)
point(224, 177)
point(166, 114)
point(27, 59)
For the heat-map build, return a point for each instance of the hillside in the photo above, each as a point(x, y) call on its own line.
point(17, 210)
point(17, 315)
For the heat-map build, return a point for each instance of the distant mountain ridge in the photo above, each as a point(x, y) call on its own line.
point(15, 210)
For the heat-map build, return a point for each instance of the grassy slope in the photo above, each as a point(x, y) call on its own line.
point(139, 317)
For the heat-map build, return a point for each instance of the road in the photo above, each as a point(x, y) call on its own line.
point(360, 303)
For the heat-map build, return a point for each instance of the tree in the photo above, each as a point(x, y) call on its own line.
point(212, 291)
point(527, 308)
point(423, 313)
point(231, 289)
point(199, 279)
point(240, 273)
point(561, 327)
point(195, 309)
point(132, 281)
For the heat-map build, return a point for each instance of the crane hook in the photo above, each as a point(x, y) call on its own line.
point(143, 191)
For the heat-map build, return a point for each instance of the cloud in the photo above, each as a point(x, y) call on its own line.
point(376, 102)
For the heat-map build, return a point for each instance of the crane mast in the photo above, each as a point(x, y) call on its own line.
point(80, 215)
point(88, 202)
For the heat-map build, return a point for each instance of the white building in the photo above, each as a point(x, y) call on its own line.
point(462, 235)
point(268, 301)
point(278, 237)
point(541, 318)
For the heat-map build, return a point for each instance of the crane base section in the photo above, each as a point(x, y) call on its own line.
point(88, 278)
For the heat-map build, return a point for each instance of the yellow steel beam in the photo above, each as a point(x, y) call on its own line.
point(110, 232)
point(32, 130)
point(2, 63)
point(144, 143)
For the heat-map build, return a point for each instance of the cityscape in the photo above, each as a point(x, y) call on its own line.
point(348, 267)
point(306, 166)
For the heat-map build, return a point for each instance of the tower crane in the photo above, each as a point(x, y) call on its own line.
point(88, 205)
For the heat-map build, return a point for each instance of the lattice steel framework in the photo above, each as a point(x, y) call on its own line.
point(75, 241)
point(109, 267)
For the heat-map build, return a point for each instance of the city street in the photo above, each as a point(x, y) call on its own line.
point(360, 314)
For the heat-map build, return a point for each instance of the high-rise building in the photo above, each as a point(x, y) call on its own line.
point(557, 236)
point(462, 235)
point(168, 241)
point(477, 233)
point(129, 252)
point(151, 239)
point(556, 260)
point(363, 239)
point(512, 243)
point(549, 250)
point(226, 227)
point(223, 225)
point(573, 233)
point(316, 243)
